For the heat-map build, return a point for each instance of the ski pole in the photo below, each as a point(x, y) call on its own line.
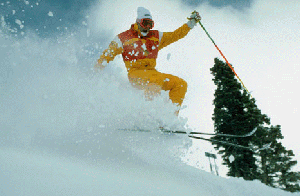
point(223, 57)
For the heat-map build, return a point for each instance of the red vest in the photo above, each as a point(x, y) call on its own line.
point(137, 47)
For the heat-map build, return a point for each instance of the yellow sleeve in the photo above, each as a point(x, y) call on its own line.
point(171, 37)
point(111, 52)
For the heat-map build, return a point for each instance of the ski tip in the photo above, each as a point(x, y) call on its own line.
point(266, 146)
point(252, 132)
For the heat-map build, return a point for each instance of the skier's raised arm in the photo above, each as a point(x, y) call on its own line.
point(170, 37)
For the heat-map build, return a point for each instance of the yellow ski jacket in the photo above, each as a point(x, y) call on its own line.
point(138, 51)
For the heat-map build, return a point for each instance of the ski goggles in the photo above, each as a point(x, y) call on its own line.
point(147, 23)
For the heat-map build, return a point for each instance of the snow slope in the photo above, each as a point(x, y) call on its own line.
point(120, 164)
point(60, 129)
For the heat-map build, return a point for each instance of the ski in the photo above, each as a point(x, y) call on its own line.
point(194, 136)
point(226, 135)
point(211, 134)
point(266, 146)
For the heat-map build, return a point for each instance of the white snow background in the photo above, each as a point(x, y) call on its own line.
point(60, 121)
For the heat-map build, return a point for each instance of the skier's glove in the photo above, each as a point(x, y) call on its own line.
point(193, 19)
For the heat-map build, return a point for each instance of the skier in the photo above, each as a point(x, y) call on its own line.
point(139, 47)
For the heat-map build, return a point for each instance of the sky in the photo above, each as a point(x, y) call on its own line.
point(70, 13)
point(259, 38)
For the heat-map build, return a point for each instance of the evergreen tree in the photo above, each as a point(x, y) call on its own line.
point(276, 162)
point(288, 179)
point(268, 158)
point(235, 113)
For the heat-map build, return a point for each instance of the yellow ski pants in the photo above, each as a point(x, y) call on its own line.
point(153, 81)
